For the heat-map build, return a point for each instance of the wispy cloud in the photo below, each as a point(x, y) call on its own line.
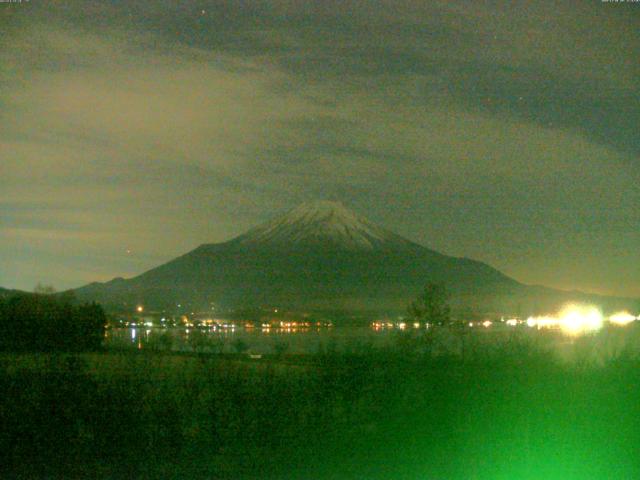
point(499, 133)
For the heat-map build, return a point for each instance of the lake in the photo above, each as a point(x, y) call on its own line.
point(609, 341)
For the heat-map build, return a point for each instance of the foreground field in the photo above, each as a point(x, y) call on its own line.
point(508, 413)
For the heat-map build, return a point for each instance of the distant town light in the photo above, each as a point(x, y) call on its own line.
point(621, 318)
point(139, 309)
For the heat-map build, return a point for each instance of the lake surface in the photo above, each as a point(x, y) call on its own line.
point(608, 342)
point(257, 340)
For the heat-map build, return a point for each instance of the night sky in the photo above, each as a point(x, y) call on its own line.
point(133, 131)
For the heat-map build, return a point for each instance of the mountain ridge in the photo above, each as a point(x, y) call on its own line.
point(319, 255)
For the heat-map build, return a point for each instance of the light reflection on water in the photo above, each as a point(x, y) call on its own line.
point(606, 343)
point(258, 340)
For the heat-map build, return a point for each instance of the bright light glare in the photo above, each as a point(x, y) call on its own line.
point(575, 319)
point(621, 318)
point(572, 320)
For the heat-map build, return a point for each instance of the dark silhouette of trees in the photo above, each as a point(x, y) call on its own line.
point(431, 306)
point(44, 289)
point(45, 323)
point(89, 322)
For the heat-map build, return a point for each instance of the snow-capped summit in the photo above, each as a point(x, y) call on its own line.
point(320, 257)
point(325, 223)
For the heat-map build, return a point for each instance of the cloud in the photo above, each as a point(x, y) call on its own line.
point(500, 134)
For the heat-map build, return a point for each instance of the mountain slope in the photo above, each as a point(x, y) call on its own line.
point(318, 256)
point(322, 225)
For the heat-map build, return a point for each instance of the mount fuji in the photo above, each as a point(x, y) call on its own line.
point(320, 256)
point(323, 225)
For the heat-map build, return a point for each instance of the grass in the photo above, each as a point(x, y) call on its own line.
point(511, 412)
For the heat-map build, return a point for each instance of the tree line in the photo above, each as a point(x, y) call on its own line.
point(46, 323)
